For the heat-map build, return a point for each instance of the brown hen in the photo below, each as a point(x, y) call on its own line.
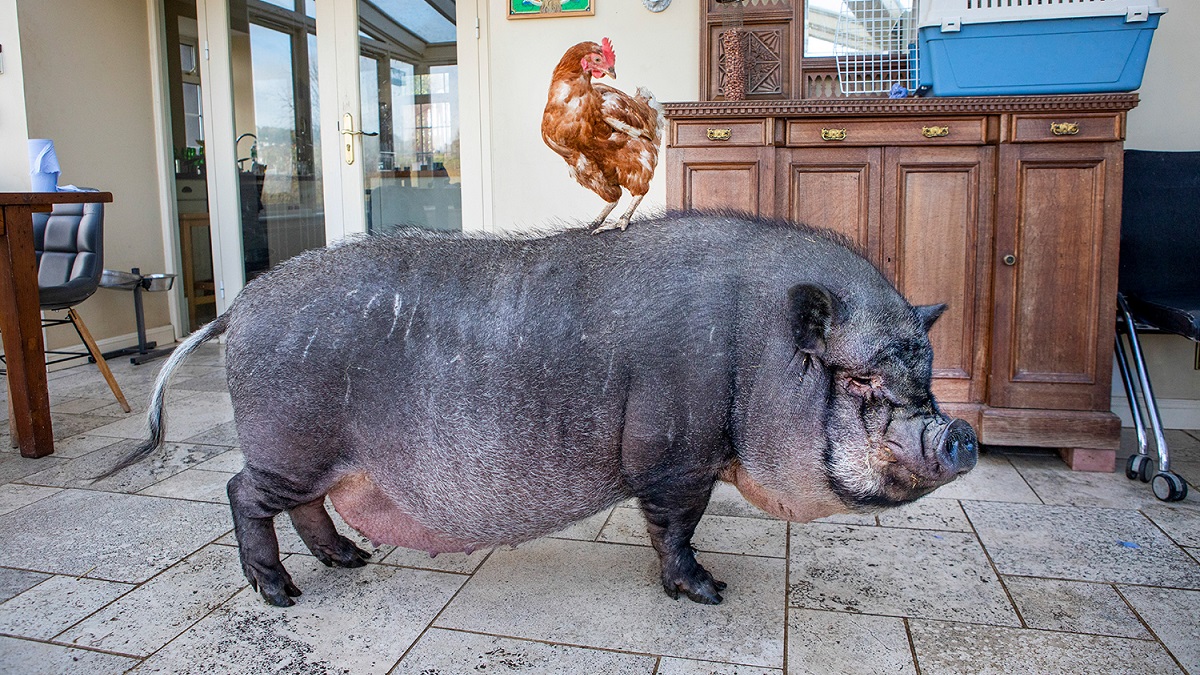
point(608, 138)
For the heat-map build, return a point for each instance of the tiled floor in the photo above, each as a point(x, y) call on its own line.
point(1023, 567)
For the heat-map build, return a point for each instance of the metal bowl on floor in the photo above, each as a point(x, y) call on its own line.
point(158, 282)
point(119, 279)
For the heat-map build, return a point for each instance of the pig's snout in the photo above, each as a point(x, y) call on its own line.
point(958, 448)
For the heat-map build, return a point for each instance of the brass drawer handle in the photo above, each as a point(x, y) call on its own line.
point(720, 134)
point(833, 134)
point(935, 132)
point(1064, 128)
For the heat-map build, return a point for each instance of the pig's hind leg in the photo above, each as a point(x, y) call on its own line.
point(255, 498)
point(672, 513)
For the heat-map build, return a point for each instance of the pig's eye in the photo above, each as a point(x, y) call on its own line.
point(866, 386)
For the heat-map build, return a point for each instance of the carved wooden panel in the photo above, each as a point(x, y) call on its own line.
point(737, 178)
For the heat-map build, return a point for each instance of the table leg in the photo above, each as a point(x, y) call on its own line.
point(21, 328)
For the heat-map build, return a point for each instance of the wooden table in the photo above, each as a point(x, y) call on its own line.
point(21, 316)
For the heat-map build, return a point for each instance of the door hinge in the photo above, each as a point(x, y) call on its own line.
point(206, 50)
point(221, 289)
point(476, 28)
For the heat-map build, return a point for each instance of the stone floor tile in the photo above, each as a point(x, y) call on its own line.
point(157, 611)
point(78, 405)
point(14, 467)
point(1085, 488)
point(74, 447)
point(189, 414)
point(14, 582)
point(961, 649)
point(610, 596)
point(66, 425)
point(55, 604)
point(912, 573)
point(14, 496)
point(211, 382)
point(992, 479)
point(820, 643)
point(1073, 606)
point(230, 461)
point(222, 434)
point(929, 513)
point(672, 666)
point(718, 534)
point(1172, 615)
point(454, 653)
point(358, 621)
point(1180, 520)
point(197, 484)
point(587, 529)
point(860, 519)
point(164, 462)
point(38, 658)
point(1085, 544)
point(104, 535)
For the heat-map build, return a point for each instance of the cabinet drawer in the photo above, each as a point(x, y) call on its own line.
point(1066, 127)
point(832, 132)
point(718, 134)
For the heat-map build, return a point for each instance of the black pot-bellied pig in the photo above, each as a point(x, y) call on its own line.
point(449, 392)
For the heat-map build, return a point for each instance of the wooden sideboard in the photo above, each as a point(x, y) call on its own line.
point(1006, 208)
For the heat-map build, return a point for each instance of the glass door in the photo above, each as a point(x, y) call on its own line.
point(408, 89)
point(277, 126)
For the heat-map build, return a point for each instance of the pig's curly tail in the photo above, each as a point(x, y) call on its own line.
point(155, 417)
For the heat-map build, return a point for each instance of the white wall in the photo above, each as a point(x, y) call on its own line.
point(1168, 118)
point(530, 184)
point(89, 87)
point(14, 158)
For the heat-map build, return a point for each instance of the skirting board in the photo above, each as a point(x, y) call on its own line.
point(1176, 413)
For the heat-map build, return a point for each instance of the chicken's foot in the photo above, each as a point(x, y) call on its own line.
point(598, 224)
point(622, 222)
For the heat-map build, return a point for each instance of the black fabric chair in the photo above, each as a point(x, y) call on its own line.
point(1158, 287)
point(69, 242)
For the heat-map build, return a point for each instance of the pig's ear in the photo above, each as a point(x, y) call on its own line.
point(814, 311)
point(929, 313)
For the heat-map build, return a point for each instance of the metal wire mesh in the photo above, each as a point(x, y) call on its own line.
point(875, 46)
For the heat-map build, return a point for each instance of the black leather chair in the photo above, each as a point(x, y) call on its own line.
point(69, 242)
point(1159, 287)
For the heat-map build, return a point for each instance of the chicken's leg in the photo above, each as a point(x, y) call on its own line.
point(622, 222)
point(598, 224)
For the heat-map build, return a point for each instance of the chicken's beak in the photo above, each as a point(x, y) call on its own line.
point(612, 72)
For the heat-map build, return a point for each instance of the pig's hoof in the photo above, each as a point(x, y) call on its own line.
point(699, 587)
point(274, 584)
point(343, 553)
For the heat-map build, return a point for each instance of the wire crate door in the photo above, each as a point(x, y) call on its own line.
point(875, 46)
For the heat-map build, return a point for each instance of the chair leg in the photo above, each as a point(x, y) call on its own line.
point(100, 362)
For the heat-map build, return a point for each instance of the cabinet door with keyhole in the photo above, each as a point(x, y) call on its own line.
point(1057, 232)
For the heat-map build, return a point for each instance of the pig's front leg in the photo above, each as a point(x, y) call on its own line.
point(672, 513)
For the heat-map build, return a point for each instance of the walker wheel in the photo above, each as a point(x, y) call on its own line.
point(1169, 487)
point(1138, 467)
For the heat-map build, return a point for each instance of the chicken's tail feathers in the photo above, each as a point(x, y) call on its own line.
point(660, 121)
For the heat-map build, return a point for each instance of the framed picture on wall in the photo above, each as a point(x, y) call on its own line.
point(545, 9)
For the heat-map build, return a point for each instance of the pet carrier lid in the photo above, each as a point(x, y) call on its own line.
point(950, 14)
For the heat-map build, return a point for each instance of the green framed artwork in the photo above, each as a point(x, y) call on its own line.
point(545, 9)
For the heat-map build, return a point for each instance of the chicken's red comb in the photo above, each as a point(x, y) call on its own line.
point(610, 56)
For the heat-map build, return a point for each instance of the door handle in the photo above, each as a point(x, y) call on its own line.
point(347, 129)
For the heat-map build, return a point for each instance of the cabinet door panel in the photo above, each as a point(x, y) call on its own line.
point(936, 238)
point(724, 178)
point(1060, 221)
point(836, 189)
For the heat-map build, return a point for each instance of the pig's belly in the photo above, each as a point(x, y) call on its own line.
point(387, 517)
point(367, 509)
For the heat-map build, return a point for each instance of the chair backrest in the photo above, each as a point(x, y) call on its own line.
point(69, 242)
point(1160, 223)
